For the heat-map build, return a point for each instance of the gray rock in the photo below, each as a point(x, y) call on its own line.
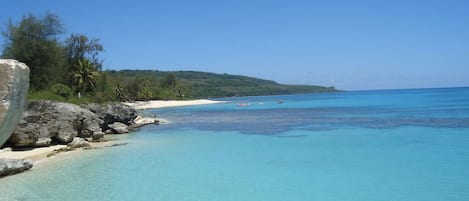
point(78, 143)
point(13, 166)
point(97, 135)
point(43, 142)
point(14, 85)
point(143, 121)
point(113, 112)
point(60, 122)
point(119, 128)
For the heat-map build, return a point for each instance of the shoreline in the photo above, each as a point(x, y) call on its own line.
point(41, 155)
point(156, 104)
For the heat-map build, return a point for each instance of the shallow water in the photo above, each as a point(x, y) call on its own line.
point(374, 145)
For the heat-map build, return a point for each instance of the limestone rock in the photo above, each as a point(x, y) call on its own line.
point(13, 166)
point(14, 85)
point(47, 121)
point(113, 112)
point(119, 128)
point(43, 142)
point(97, 135)
point(143, 121)
point(78, 143)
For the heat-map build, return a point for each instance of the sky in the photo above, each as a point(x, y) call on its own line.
point(352, 45)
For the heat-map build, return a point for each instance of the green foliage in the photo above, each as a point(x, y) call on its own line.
point(61, 90)
point(169, 81)
point(34, 41)
point(105, 90)
point(53, 64)
point(83, 76)
point(47, 95)
point(79, 48)
point(191, 84)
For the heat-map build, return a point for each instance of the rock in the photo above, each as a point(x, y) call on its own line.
point(13, 166)
point(113, 112)
point(43, 142)
point(78, 143)
point(119, 128)
point(143, 121)
point(47, 121)
point(14, 85)
point(97, 135)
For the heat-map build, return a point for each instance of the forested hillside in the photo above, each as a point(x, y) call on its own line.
point(210, 85)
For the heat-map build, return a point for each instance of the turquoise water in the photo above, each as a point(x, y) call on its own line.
point(394, 145)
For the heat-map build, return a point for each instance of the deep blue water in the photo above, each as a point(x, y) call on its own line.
point(393, 145)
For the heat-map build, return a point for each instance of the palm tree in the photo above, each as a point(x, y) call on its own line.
point(84, 76)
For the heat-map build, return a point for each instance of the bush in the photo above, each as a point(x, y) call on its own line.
point(46, 95)
point(61, 90)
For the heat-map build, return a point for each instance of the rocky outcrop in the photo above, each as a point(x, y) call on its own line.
point(143, 121)
point(14, 85)
point(46, 121)
point(113, 112)
point(13, 166)
point(79, 143)
point(118, 128)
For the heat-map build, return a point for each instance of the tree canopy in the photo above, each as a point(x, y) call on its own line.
point(34, 41)
point(73, 63)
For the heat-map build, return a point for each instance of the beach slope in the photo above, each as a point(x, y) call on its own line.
point(154, 104)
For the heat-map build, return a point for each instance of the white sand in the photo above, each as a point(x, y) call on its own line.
point(39, 154)
point(141, 105)
point(33, 154)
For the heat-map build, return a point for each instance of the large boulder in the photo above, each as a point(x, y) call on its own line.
point(112, 113)
point(78, 143)
point(117, 118)
point(47, 121)
point(119, 128)
point(13, 166)
point(14, 85)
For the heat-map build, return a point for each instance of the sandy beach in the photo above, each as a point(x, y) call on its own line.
point(34, 154)
point(42, 154)
point(154, 104)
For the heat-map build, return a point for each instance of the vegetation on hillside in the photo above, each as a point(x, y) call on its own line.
point(71, 70)
point(209, 85)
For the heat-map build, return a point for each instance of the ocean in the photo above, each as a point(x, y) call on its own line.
point(389, 145)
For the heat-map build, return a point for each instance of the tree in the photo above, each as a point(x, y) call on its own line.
point(145, 90)
point(34, 41)
point(79, 47)
point(169, 81)
point(180, 91)
point(84, 76)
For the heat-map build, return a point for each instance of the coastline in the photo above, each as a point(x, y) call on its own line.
point(44, 154)
point(155, 104)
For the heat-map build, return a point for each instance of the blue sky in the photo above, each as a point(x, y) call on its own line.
point(352, 45)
